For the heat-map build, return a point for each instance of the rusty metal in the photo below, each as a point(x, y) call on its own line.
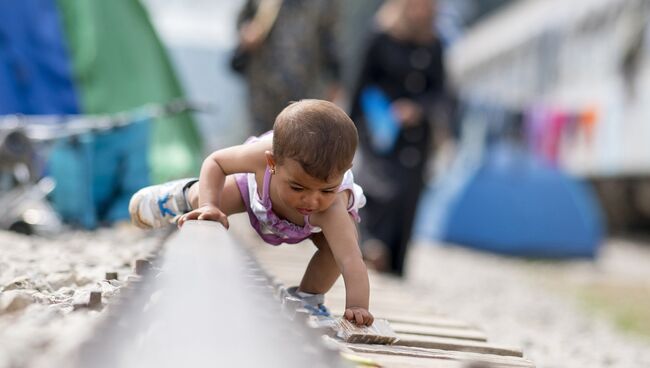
point(141, 266)
point(95, 300)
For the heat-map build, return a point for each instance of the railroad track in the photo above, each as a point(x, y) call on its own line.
point(206, 301)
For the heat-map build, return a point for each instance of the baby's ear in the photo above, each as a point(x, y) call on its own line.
point(270, 160)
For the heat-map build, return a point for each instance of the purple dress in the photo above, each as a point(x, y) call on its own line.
point(274, 230)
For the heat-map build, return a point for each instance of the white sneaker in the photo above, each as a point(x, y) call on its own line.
point(159, 205)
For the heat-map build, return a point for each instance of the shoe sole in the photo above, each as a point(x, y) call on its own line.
point(134, 203)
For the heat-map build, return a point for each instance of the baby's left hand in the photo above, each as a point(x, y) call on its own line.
point(359, 316)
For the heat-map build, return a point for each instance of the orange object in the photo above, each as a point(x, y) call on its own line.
point(588, 118)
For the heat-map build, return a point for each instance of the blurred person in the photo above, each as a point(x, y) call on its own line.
point(289, 53)
point(295, 183)
point(404, 60)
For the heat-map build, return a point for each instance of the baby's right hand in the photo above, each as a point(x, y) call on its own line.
point(206, 212)
point(359, 316)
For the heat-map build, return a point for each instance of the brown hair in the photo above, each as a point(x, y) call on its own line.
point(317, 134)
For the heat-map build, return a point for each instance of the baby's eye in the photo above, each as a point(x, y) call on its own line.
point(296, 189)
point(328, 191)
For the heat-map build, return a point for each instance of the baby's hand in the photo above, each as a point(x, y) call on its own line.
point(359, 315)
point(205, 212)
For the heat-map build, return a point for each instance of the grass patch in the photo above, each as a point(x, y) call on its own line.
point(627, 305)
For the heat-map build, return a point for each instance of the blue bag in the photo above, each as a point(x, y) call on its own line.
point(382, 124)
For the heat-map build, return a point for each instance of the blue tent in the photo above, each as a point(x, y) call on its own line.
point(35, 70)
point(513, 203)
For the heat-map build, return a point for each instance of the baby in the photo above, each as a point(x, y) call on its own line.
point(295, 183)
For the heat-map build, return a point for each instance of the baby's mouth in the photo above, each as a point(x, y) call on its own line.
point(305, 211)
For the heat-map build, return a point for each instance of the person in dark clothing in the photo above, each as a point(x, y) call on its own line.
point(404, 59)
point(293, 52)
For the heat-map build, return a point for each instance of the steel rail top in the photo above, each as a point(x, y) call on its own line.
point(204, 311)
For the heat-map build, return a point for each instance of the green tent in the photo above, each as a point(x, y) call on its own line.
point(119, 64)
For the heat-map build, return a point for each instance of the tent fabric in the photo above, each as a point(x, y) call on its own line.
point(35, 71)
point(71, 166)
point(66, 57)
point(517, 204)
point(97, 174)
point(119, 64)
point(120, 169)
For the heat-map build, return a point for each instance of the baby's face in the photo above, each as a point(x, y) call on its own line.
point(301, 191)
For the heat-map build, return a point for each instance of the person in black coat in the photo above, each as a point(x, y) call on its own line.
point(404, 59)
point(296, 58)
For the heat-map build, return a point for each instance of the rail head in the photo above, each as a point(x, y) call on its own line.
point(202, 308)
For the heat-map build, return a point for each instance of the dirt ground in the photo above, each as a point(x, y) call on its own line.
point(41, 280)
point(563, 314)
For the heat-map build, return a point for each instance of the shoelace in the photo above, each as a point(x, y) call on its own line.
point(318, 310)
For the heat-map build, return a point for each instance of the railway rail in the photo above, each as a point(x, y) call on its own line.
point(207, 301)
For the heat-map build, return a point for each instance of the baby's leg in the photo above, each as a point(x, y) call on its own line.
point(231, 200)
point(322, 271)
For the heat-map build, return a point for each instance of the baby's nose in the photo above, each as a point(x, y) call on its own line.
point(311, 200)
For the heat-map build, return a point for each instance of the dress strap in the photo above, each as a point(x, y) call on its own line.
point(307, 225)
point(266, 198)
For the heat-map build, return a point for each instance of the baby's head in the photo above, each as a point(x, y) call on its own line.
point(318, 135)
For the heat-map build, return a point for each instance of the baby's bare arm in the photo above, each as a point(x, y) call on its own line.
point(237, 159)
point(341, 234)
point(245, 158)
